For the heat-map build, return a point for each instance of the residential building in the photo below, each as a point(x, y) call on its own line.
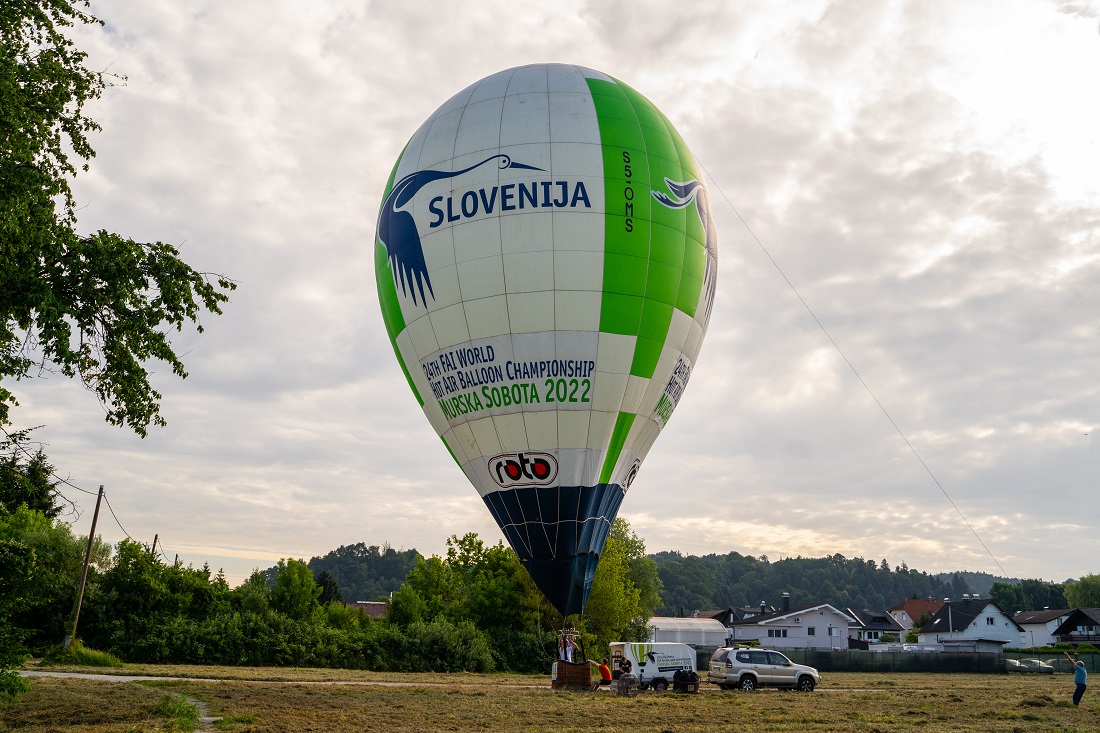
point(735, 613)
point(871, 625)
point(1083, 624)
point(1039, 626)
point(971, 625)
point(911, 610)
point(820, 626)
point(374, 609)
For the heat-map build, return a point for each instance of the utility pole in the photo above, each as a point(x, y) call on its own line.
point(155, 537)
point(84, 575)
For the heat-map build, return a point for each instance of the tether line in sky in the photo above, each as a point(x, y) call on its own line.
point(852, 367)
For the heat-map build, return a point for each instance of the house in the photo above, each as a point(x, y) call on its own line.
point(819, 626)
point(735, 613)
point(1038, 626)
point(970, 625)
point(697, 632)
point(871, 625)
point(911, 610)
point(1083, 624)
point(374, 609)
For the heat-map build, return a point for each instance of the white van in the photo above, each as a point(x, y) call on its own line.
point(653, 662)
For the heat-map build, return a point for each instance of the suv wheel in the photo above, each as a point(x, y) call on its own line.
point(805, 684)
point(747, 683)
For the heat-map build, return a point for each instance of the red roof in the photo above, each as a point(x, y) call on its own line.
point(917, 607)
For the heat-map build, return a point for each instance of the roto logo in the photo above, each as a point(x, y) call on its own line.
point(523, 469)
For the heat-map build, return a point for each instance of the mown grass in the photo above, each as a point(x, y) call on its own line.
point(845, 702)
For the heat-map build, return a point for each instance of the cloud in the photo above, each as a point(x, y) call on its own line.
point(915, 170)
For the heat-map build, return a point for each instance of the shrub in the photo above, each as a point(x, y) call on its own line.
point(441, 646)
point(79, 655)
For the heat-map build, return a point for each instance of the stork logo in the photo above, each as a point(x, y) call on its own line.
point(523, 469)
point(398, 233)
point(682, 195)
point(633, 474)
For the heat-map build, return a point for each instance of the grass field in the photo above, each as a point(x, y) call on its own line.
point(333, 700)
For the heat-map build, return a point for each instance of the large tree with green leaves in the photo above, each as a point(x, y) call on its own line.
point(1028, 595)
point(1083, 593)
point(625, 592)
point(98, 307)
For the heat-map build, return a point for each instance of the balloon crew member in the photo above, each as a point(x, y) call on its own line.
point(605, 673)
point(1080, 675)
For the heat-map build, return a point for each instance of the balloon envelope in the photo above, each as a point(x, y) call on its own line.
point(546, 264)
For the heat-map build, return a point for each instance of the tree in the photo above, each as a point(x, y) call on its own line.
point(1083, 593)
point(625, 592)
point(295, 593)
point(17, 568)
point(1027, 595)
point(330, 589)
point(27, 481)
point(59, 559)
point(96, 307)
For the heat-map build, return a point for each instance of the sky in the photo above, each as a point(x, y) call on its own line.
point(922, 174)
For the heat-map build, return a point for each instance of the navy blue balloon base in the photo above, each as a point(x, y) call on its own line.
point(558, 533)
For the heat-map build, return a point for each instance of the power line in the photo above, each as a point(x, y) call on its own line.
point(14, 442)
point(852, 367)
point(116, 519)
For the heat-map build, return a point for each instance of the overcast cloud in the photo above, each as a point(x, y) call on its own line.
point(923, 173)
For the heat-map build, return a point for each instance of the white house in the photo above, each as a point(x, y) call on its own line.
point(1039, 626)
point(972, 624)
point(821, 626)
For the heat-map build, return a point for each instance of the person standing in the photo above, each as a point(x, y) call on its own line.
point(1079, 678)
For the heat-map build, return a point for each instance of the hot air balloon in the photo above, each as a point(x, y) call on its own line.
point(546, 264)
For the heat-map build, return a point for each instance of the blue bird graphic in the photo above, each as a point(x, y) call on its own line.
point(685, 193)
point(398, 233)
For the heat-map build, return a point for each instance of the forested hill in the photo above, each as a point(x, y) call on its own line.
point(364, 573)
point(978, 582)
point(371, 572)
point(716, 581)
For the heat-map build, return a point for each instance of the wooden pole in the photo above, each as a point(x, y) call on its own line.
point(84, 575)
point(155, 538)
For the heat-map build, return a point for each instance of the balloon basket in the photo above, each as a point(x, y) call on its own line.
point(572, 676)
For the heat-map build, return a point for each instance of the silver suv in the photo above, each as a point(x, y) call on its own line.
point(750, 669)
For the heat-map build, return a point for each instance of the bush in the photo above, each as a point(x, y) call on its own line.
point(1086, 648)
point(441, 646)
point(528, 652)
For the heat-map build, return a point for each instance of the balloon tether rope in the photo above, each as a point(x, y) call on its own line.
point(851, 366)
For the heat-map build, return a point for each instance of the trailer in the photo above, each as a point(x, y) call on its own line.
point(654, 663)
